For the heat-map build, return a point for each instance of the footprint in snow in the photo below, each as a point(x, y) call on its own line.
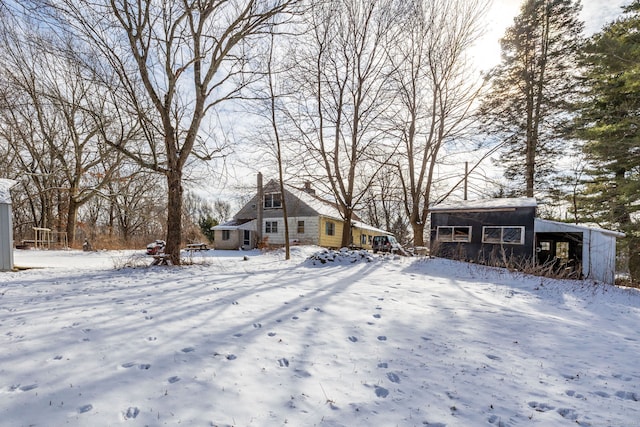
point(131, 413)
point(272, 334)
point(382, 338)
point(188, 349)
point(383, 365)
point(572, 393)
point(393, 377)
point(128, 365)
point(602, 394)
point(58, 357)
point(568, 413)
point(377, 316)
point(628, 395)
point(284, 363)
point(541, 407)
point(144, 366)
point(353, 339)
point(173, 379)
point(85, 408)
point(257, 325)
point(381, 391)
point(232, 357)
point(493, 357)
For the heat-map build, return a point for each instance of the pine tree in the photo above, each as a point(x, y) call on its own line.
point(526, 107)
point(609, 122)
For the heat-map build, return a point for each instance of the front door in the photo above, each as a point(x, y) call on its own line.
point(246, 240)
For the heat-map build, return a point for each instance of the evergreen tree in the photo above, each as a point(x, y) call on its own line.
point(206, 223)
point(531, 88)
point(609, 122)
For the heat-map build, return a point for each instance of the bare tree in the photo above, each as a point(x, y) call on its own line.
point(175, 61)
point(435, 92)
point(56, 100)
point(342, 75)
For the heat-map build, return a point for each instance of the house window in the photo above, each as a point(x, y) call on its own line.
point(272, 201)
point(454, 234)
point(329, 228)
point(300, 227)
point(226, 234)
point(503, 235)
point(271, 227)
point(363, 239)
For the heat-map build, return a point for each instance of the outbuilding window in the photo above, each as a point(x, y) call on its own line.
point(508, 235)
point(453, 234)
point(226, 234)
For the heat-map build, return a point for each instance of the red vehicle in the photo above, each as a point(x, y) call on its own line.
point(156, 247)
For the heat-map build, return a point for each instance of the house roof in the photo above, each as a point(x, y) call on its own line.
point(5, 186)
point(322, 207)
point(237, 225)
point(486, 204)
point(364, 226)
point(545, 225)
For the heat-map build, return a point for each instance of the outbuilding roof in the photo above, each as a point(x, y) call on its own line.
point(545, 225)
point(486, 204)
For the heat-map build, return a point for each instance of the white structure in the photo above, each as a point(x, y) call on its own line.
point(598, 247)
point(6, 225)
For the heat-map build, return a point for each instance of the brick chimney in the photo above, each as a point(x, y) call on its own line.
point(308, 189)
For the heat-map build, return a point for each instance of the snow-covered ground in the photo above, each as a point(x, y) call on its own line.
point(249, 339)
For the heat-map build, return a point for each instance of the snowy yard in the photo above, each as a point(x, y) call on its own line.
point(380, 341)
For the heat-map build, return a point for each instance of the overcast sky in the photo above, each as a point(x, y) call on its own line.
point(595, 13)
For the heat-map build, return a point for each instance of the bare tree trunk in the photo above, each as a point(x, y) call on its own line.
point(174, 215)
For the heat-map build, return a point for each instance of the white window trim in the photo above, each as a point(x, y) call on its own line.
point(271, 199)
point(453, 239)
point(502, 228)
point(330, 226)
point(268, 227)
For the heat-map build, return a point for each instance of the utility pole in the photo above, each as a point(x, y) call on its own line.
point(466, 178)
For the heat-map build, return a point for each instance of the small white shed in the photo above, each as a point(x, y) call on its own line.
point(6, 225)
point(598, 246)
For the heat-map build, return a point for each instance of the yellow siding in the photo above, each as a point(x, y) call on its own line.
point(335, 241)
point(359, 232)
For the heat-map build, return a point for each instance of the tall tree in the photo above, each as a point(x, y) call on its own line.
point(532, 88)
point(435, 93)
point(610, 123)
point(342, 87)
point(174, 62)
